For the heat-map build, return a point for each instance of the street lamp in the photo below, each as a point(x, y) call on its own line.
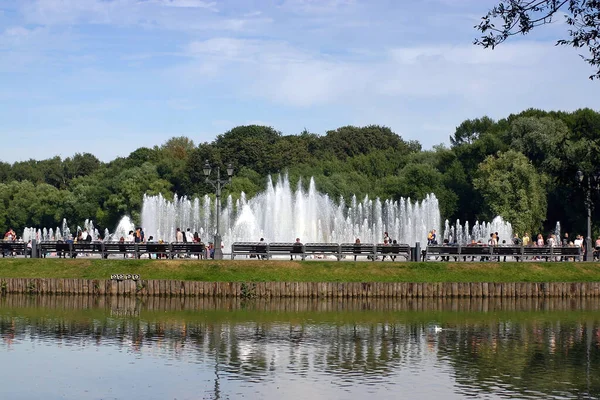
point(217, 184)
point(579, 176)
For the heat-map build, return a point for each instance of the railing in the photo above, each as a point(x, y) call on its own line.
point(302, 251)
point(500, 253)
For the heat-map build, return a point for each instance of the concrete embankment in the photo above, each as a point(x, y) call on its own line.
point(298, 289)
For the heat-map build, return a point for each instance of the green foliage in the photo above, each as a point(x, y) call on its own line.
point(547, 147)
point(540, 139)
point(470, 130)
point(249, 146)
point(350, 141)
point(513, 189)
point(518, 17)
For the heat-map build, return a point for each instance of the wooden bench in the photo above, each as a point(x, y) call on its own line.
point(358, 250)
point(289, 249)
point(441, 251)
point(160, 250)
point(123, 248)
point(457, 252)
point(250, 249)
point(9, 247)
point(325, 249)
point(567, 251)
point(392, 251)
point(187, 249)
point(548, 253)
point(61, 249)
point(500, 252)
point(86, 248)
point(482, 251)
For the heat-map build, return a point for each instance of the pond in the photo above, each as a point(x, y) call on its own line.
point(95, 347)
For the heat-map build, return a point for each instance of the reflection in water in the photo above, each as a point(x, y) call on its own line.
point(298, 348)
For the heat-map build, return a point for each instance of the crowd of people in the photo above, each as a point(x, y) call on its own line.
point(526, 241)
point(181, 236)
point(134, 236)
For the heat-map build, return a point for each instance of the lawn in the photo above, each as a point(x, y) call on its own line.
point(301, 271)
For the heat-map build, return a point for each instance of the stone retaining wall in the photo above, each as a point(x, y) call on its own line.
point(298, 289)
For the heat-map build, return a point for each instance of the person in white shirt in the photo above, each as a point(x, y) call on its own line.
point(578, 242)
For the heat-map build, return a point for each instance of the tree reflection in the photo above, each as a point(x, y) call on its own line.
point(534, 349)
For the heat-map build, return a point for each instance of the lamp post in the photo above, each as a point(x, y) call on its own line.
point(217, 184)
point(589, 248)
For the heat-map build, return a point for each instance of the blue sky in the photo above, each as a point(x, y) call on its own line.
point(110, 76)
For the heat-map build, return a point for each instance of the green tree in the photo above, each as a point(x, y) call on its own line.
point(514, 17)
point(26, 171)
point(250, 146)
point(128, 189)
point(540, 140)
point(470, 130)
point(82, 165)
point(4, 171)
point(53, 171)
point(512, 188)
point(349, 141)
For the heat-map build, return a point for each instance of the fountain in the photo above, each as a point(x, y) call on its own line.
point(280, 214)
point(463, 234)
point(64, 233)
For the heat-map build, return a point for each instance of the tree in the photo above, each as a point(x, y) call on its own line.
point(350, 141)
point(470, 130)
point(249, 146)
point(513, 189)
point(540, 140)
point(81, 165)
point(512, 17)
point(178, 147)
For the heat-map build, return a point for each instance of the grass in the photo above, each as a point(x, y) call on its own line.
point(297, 271)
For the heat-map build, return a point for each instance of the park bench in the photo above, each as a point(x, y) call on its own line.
point(482, 251)
point(60, 249)
point(457, 252)
point(501, 252)
point(567, 251)
point(392, 251)
point(441, 251)
point(9, 247)
point(325, 249)
point(187, 249)
point(358, 250)
point(250, 249)
point(123, 248)
point(159, 250)
point(288, 249)
point(552, 252)
point(86, 248)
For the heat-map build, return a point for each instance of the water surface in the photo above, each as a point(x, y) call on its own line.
point(85, 347)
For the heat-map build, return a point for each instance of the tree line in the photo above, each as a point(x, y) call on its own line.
point(521, 167)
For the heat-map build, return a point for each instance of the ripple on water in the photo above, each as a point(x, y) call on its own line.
point(310, 349)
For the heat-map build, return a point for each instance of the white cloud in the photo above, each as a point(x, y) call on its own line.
point(291, 76)
point(314, 63)
point(189, 4)
point(317, 6)
point(19, 36)
point(170, 14)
